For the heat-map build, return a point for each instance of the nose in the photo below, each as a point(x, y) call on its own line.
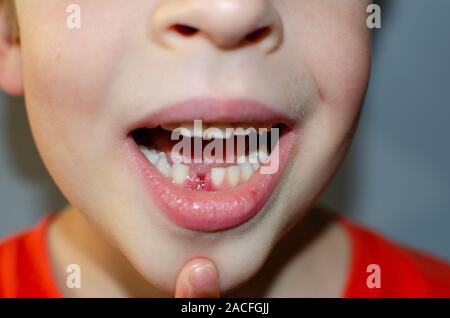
point(227, 24)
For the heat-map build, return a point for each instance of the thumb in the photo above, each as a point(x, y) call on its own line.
point(199, 278)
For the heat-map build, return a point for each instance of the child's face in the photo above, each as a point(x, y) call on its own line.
point(87, 90)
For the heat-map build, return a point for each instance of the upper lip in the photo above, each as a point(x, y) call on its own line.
point(213, 110)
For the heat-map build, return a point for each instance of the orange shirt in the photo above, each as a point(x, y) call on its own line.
point(25, 269)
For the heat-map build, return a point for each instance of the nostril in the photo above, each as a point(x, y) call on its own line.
point(184, 30)
point(258, 35)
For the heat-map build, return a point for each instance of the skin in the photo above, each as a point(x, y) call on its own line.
point(83, 89)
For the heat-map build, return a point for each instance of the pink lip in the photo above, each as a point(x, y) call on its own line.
point(212, 211)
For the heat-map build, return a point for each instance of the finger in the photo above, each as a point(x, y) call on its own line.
point(199, 278)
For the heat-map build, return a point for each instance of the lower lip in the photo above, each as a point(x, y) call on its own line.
point(211, 211)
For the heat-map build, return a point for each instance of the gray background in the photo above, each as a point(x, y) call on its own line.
point(396, 178)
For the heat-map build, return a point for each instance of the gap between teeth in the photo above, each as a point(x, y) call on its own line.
point(233, 175)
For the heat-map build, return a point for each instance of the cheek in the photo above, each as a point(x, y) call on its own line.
point(337, 53)
point(67, 74)
point(333, 42)
point(341, 67)
point(68, 71)
point(338, 56)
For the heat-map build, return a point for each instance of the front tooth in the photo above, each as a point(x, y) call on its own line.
point(222, 131)
point(246, 171)
point(211, 133)
point(226, 130)
point(233, 175)
point(150, 154)
point(163, 166)
point(180, 173)
point(195, 131)
point(217, 176)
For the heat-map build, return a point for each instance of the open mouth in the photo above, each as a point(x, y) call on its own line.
point(214, 156)
point(212, 165)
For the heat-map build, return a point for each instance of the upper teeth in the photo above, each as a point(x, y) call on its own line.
point(219, 131)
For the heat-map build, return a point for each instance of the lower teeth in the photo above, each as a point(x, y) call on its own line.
point(219, 177)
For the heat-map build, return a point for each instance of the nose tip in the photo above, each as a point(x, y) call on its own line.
point(227, 24)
